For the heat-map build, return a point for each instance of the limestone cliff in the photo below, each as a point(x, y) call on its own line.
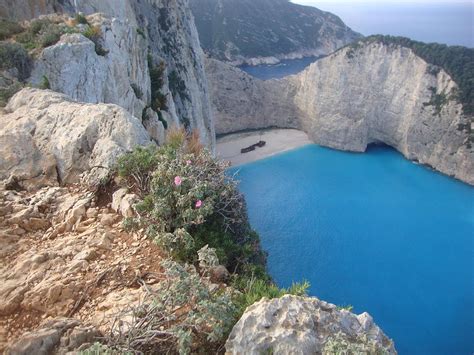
point(132, 32)
point(371, 93)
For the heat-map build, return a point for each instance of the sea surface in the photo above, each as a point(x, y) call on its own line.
point(374, 231)
point(450, 21)
point(280, 70)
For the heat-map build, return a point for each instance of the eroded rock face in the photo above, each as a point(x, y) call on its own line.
point(120, 77)
point(46, 138)
point(352, 98)
point(131, 29)
point(302, 325)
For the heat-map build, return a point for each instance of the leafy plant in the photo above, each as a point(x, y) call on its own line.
point(254, 289)
point(9, 28)
point(158, 99)
point(94, 33)
point(13, 55)
point(81, 19)
point(45, 83)
point(340, 344)
point(180, 314)
point(136, 90)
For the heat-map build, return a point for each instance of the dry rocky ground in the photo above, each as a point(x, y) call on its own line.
point(66, 261)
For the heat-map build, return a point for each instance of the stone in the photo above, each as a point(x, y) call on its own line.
point(58, 336)
point(87, 254)
point(219, 274)
point(301, 325)
point(117, 197)
point(126, 205)
point(108, 219)
point(84, 137)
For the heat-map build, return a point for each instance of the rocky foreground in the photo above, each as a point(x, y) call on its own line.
point(66, 261)
point(69, 272)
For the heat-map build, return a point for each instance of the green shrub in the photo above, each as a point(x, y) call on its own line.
point(94, 33)
point(49, 35)
point(180, 314)
point(13, 55)
point(341, 345)
point(9, 28)
point(81, 19)
point(254, 289)
point(101, 349)
point(136, 90)
point(7, 92)
point(137, 168)
point(45, 83)
point(158, 99)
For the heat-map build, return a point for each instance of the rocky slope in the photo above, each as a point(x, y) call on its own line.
point(370, 93)
point(265, 31)
point(131, 33)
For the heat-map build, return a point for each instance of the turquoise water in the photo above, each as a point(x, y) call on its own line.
point(374, 231)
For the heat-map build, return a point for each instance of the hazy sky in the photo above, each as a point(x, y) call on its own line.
point(378, 2)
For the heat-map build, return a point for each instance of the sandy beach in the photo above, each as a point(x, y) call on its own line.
point(277, 141)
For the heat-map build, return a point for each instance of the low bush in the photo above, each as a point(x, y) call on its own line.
point(81, 19)
point(94, 33)
point(193, 210)
point(13, 55)
point(9, 28)
point(6, 92)
point(180, 314)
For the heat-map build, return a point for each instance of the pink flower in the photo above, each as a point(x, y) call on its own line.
point(177, 181)
point(188, 162)
point(198, 204)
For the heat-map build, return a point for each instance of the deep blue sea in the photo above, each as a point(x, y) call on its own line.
point(443, 21)
point(374, 231)
point(280, 70)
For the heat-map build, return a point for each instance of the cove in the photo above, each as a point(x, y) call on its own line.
point(374, 231)
point(277, 71)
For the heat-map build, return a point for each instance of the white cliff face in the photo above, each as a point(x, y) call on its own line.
point(352, 98)
point(121, 77)
point(46, 138)
point(170, 36)
point(243, 102)
point(304, 325)
point(131, 29)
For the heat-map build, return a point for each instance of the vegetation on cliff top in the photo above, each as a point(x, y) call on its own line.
point(191, 208)
point(457, 61)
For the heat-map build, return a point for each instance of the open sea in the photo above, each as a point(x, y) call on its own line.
point(374, 231)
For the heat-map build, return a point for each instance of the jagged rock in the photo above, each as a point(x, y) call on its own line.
point(57, 336)
point(164, 28)
point(73, 67)
point(301, 325)
point(41, 124)
point(122, 202)
point(376, 93)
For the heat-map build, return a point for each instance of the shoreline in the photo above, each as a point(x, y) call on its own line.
point(277, 141)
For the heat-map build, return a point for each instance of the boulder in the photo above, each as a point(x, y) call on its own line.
point(47, 138)
point(302, 325)
point(58, 336)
